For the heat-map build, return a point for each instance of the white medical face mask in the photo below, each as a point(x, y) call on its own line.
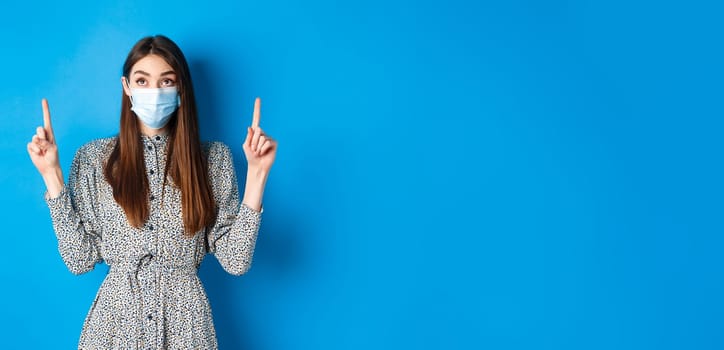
point(155, 106)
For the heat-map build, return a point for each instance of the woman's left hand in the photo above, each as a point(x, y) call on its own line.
point(259, 148)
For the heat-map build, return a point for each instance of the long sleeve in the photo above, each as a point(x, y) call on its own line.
point(73, 213)
point(233, 237)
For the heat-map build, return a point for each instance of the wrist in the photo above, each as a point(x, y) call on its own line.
point(254, 189)
point(53, 181)
point(256, 175)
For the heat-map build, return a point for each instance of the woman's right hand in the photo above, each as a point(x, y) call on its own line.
point(44, 153)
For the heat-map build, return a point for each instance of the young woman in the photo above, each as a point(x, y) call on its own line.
point(151, 202)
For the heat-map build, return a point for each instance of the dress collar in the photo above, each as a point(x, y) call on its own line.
point(158, 138)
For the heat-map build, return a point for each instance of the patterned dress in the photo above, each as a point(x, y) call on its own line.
point(152, 297)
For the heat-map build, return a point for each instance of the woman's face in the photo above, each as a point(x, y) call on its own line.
point(151, 71)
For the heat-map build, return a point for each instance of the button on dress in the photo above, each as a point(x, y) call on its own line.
point(152, 297)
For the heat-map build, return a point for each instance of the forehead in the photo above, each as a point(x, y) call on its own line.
point(151, 64)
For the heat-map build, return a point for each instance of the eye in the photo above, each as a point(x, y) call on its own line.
point(141, 82)
point(168, 82)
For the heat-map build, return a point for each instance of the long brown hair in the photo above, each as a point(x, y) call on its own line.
point(186, 164)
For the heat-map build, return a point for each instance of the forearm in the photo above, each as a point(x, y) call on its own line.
point(54, 182)
point(78, 247)
point(234, 237)
point(254, 188)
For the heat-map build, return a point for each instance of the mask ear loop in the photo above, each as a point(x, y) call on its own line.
point(130, 98)
point(178, 97)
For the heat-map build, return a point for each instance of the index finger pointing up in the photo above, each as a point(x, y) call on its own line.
point(46, 121)
point(257, 113)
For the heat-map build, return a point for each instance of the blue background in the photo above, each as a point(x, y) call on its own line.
point(451, 175)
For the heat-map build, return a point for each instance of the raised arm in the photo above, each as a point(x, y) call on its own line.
point(72, 207)
point(233, 238)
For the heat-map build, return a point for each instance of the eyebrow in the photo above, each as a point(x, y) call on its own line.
point(148, 75)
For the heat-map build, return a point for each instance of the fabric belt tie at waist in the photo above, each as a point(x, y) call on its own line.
point(149, 264)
